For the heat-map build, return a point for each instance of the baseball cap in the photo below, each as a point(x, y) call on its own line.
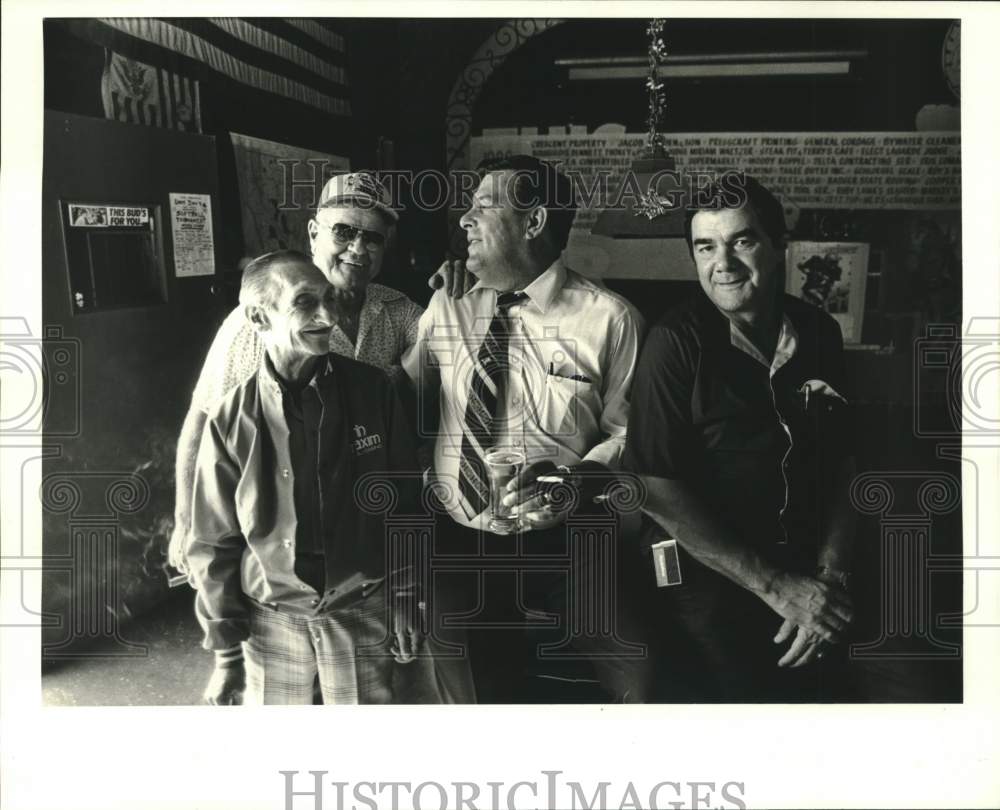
point(360, 188)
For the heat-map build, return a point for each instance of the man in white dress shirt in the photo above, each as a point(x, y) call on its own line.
point(536, 358)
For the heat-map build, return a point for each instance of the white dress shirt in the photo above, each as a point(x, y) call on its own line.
point(572, 353)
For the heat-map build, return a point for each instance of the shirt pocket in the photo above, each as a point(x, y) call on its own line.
point(827, 422)
point(569, 407)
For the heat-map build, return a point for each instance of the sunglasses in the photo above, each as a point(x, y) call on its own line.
point(346, 234)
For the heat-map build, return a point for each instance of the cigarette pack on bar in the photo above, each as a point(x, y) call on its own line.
point(666, 563)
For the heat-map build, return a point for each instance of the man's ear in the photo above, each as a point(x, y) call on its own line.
point(535, 223)
point(312, 227)
point(257, 317)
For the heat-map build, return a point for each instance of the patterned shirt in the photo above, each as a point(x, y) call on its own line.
point(388, 326)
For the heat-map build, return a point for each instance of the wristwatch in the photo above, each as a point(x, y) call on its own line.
point(842, 578)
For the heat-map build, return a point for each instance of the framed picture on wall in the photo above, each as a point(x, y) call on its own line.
point(831, 276)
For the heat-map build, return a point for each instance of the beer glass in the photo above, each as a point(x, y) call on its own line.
point(502, 464)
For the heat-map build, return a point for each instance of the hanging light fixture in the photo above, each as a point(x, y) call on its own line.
point(655, 208)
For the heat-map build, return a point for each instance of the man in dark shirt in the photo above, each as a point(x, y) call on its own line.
point(738, 429)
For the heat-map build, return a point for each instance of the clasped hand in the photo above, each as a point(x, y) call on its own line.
point(816, 612)
point(542, 505)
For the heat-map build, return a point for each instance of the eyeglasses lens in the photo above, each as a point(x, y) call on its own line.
point(346, 234)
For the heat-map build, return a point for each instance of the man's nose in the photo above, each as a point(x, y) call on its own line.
point(357, 244)
point(728, 259)
point(468, 218)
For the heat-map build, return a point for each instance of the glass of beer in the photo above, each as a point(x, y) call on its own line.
point(502, 464)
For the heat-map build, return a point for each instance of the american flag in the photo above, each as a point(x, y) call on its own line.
point(136, 93)
point(153, 65)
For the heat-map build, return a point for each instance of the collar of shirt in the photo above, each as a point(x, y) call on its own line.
point(788, 342)
point(542, 291)
point(272, 384)
point(377, 295)
point(372, 312)
point(373, 320)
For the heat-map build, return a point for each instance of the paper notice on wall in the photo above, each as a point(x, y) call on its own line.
point(191, 223)
point(831, 276)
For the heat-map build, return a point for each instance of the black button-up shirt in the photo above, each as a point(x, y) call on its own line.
point(306, 413)
point(759, 441)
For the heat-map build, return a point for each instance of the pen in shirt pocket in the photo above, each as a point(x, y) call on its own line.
point(574, 378)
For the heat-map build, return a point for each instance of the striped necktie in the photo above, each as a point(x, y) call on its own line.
point(481, 407)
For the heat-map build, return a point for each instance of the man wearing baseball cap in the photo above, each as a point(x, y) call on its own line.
point(348, 235)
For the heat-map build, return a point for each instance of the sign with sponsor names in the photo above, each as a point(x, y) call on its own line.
point(877, 171)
